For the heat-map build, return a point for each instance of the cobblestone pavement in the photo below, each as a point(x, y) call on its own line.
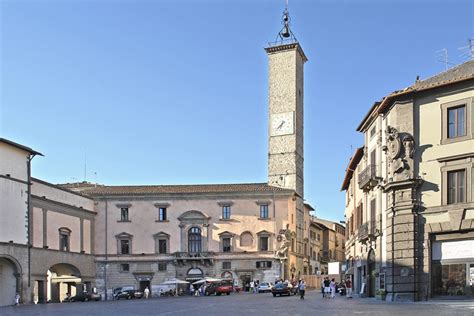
point(247, 304)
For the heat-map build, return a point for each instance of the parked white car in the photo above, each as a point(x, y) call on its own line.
point(264, 287)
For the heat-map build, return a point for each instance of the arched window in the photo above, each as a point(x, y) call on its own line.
point(194, 239)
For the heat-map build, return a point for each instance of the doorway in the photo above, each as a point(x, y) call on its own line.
point(144, 285)
point(245, 279)
point(371, 273)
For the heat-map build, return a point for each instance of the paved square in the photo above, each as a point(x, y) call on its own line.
point(247, 304)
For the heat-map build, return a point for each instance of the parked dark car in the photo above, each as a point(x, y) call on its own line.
point(219, 288)
point(122, 293)
point(283, 289)
point(83, 297)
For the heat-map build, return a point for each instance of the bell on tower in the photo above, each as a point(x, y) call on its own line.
point(286, 35)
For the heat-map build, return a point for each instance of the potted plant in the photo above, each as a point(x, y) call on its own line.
point(380, 294)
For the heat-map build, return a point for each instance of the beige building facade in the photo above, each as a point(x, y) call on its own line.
point(417, 166)
point(46, 240)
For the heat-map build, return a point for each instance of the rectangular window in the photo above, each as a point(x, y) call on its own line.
point(226, 265)
point(162, 246)
point(64, 242)
point(124, 214)
point(264, 243)
point(264, 211)
point(162, 266)
point(124, 267)
point(226, 212)
point(226, 244)
point(162, 214)
point(457, 121)
point(125, 247)
point(372, 132)
point(456, 186)
point(263, 264)
point(373, 157)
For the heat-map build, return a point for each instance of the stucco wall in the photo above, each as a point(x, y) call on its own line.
point(13, 161)
point(143, 223)
point(56, 221)
point(429, 108)
point(13, 211)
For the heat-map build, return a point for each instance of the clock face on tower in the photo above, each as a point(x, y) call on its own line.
point(282, 124)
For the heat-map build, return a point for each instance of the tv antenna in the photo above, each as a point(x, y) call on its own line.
point(468, 50)
point(442, 56)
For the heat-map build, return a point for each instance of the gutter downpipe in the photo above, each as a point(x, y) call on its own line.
point(106, 250)
point(28, 203)
point(393, 243)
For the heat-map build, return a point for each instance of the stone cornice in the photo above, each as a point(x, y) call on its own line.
point(283, 47)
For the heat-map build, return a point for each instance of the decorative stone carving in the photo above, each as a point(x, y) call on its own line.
point(284, 238)
point(400, 150)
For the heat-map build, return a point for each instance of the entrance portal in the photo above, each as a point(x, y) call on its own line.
point(144, 285)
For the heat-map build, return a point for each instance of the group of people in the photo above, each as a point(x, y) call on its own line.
point(253, 286)
point(329, 287)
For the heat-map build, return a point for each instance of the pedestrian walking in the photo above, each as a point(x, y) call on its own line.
point(17, 299)
point(327, 288)
point(252, 286)
point(322, 286)
point(146, 292)
point(348, 287)
point(332, 285)
point(302, 289)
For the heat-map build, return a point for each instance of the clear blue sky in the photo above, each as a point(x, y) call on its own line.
point(175, 92)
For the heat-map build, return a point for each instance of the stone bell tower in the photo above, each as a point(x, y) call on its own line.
point(285, 149)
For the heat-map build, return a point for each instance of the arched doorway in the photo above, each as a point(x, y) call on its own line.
point(62, 279)
point(9, 281)
point(371, 273)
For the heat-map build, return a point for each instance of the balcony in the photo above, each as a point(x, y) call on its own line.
point(206, 258)
point(368, 231)
point(368, 178)
point(363, 234)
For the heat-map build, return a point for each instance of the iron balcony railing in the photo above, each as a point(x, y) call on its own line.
point(364, 231)
point(368, 177)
